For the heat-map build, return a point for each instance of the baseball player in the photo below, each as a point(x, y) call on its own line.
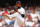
point(19, 19)
point(20, 8)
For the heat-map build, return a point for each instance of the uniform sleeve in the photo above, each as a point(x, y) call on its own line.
point(10, 16)
point(23, 11)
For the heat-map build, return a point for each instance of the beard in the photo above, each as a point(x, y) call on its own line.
point(19, 7)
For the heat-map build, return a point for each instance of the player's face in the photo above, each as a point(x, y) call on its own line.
point(18, 5)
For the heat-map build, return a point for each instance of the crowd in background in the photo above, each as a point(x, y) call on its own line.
point(31, 13)
point(3, 19)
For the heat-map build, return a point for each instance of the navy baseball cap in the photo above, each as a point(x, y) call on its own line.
point(18, 2)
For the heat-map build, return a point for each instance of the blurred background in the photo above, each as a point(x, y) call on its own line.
point(30, 6)
point(7, 3)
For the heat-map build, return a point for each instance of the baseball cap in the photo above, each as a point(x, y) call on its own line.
point(18, 2)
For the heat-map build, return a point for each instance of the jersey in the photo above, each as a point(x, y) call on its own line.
point(18, 20)
point(21, 10)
